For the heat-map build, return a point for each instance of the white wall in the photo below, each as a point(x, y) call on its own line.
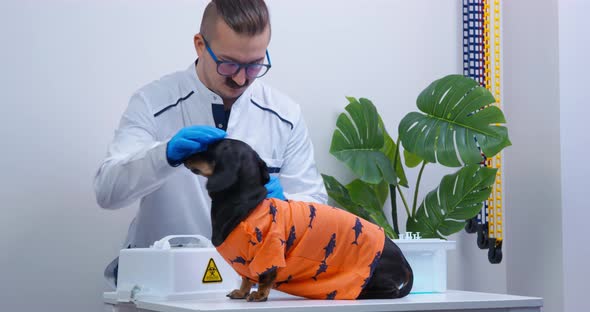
point(69, 67)
point(574, 67)
point(533, 177)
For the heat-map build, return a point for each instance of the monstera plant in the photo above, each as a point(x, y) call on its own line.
point(456, 126)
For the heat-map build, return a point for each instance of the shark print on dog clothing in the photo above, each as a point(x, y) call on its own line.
point(318, 251)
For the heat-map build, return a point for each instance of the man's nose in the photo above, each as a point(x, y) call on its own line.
point(240, 77)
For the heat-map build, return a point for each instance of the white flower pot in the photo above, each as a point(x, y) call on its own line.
point(428, 259)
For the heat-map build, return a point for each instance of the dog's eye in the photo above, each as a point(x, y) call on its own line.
point(196, 171)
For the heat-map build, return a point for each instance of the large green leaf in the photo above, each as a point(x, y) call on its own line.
point(340, 194)
point(458, 197)
point(381, 192)
point(361, 199)
point(389, 149)
point(457, 117)
point(412, 160)
point(364, 195)
point(358, 141)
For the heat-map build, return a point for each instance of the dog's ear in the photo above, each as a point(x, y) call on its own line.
point(227, 166)
point(264, 177)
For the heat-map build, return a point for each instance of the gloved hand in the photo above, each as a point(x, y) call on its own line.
point(274, 188)
point(191, 140)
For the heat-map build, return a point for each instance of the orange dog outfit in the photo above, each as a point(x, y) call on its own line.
point(319, 251)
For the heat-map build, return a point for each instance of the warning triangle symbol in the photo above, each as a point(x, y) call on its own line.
point(212, 274)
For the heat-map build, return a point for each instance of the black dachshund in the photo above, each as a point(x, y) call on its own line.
point(305, 249)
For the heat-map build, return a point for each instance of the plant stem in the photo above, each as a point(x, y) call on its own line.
point(417, 187)
point(392, 191)
point(399, 190)
point(393, 209)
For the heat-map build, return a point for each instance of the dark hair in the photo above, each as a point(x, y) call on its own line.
point(249, 17)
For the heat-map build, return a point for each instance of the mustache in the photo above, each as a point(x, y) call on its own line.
point(232, 84)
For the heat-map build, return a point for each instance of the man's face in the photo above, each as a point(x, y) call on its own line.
point(230, 46)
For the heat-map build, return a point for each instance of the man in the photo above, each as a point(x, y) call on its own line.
point(178, 115)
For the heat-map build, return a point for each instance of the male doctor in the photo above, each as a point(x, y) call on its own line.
point(180, 114)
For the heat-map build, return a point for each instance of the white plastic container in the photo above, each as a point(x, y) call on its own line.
point(428, 259)
point(163, 272)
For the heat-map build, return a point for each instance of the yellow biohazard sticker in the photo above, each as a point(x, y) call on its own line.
point(212, 274)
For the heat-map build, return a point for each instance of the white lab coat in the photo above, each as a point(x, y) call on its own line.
point(172, 199)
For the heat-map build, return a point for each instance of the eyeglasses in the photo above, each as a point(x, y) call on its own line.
point(230, 69)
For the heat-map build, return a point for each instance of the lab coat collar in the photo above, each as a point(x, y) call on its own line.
point(199, 87)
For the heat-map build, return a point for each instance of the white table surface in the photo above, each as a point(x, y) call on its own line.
point(452, 300)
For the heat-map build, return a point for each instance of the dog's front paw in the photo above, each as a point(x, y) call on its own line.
point(257, 296)
point(237, 294)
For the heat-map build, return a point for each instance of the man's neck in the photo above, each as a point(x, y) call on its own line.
point(227, 103)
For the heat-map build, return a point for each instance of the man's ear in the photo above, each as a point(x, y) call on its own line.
point(199, 44)
point(263, 171)
point(225, 174)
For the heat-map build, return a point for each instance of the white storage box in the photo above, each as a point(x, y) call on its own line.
point(428, 259)
point(165, 272)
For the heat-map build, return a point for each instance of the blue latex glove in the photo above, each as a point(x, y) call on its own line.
point(274, 188)
point(191, 140)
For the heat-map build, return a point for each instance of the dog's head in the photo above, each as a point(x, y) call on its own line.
point(229, 164)
point(236, 176)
